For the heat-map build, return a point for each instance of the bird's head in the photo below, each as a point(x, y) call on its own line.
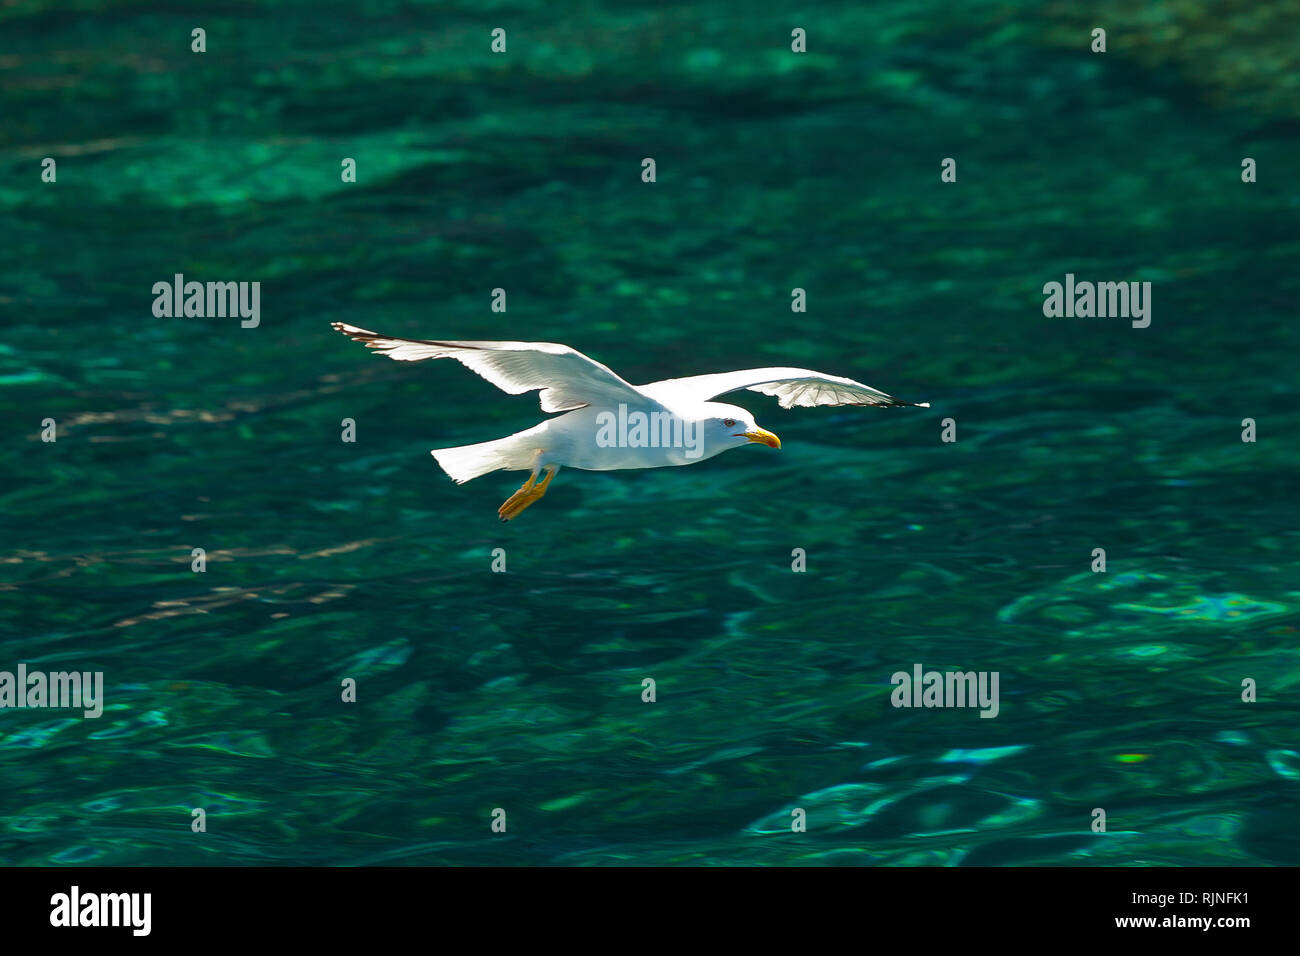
point(728, 426)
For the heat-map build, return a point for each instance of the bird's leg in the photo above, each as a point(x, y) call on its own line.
point(526, 495)
point(505, 512)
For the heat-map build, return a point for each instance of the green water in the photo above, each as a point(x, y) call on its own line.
point(522, 691)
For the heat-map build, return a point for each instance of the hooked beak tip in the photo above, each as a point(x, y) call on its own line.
point(763, 437)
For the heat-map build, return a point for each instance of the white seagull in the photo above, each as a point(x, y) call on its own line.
point(610, 423)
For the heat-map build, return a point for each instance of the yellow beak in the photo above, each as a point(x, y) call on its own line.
point(764, 437)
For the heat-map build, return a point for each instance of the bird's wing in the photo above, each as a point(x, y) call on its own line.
point(791, 386)
point(567, 378)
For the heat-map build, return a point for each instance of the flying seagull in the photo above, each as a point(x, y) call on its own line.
point(609, 423)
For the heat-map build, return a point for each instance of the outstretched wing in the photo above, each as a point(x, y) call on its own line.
point(567, 378)
point(791, 386)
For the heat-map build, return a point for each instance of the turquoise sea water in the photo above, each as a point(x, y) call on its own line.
point(522, 690)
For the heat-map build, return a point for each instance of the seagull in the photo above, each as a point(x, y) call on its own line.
point(608, 423)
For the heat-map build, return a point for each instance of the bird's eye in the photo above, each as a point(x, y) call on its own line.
point(729, 422)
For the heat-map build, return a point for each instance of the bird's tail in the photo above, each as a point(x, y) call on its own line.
point(467, 462)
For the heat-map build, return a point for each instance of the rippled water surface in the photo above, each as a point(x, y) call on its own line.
point(522, 690)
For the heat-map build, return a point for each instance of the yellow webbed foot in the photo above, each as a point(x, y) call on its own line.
point(526, 495)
